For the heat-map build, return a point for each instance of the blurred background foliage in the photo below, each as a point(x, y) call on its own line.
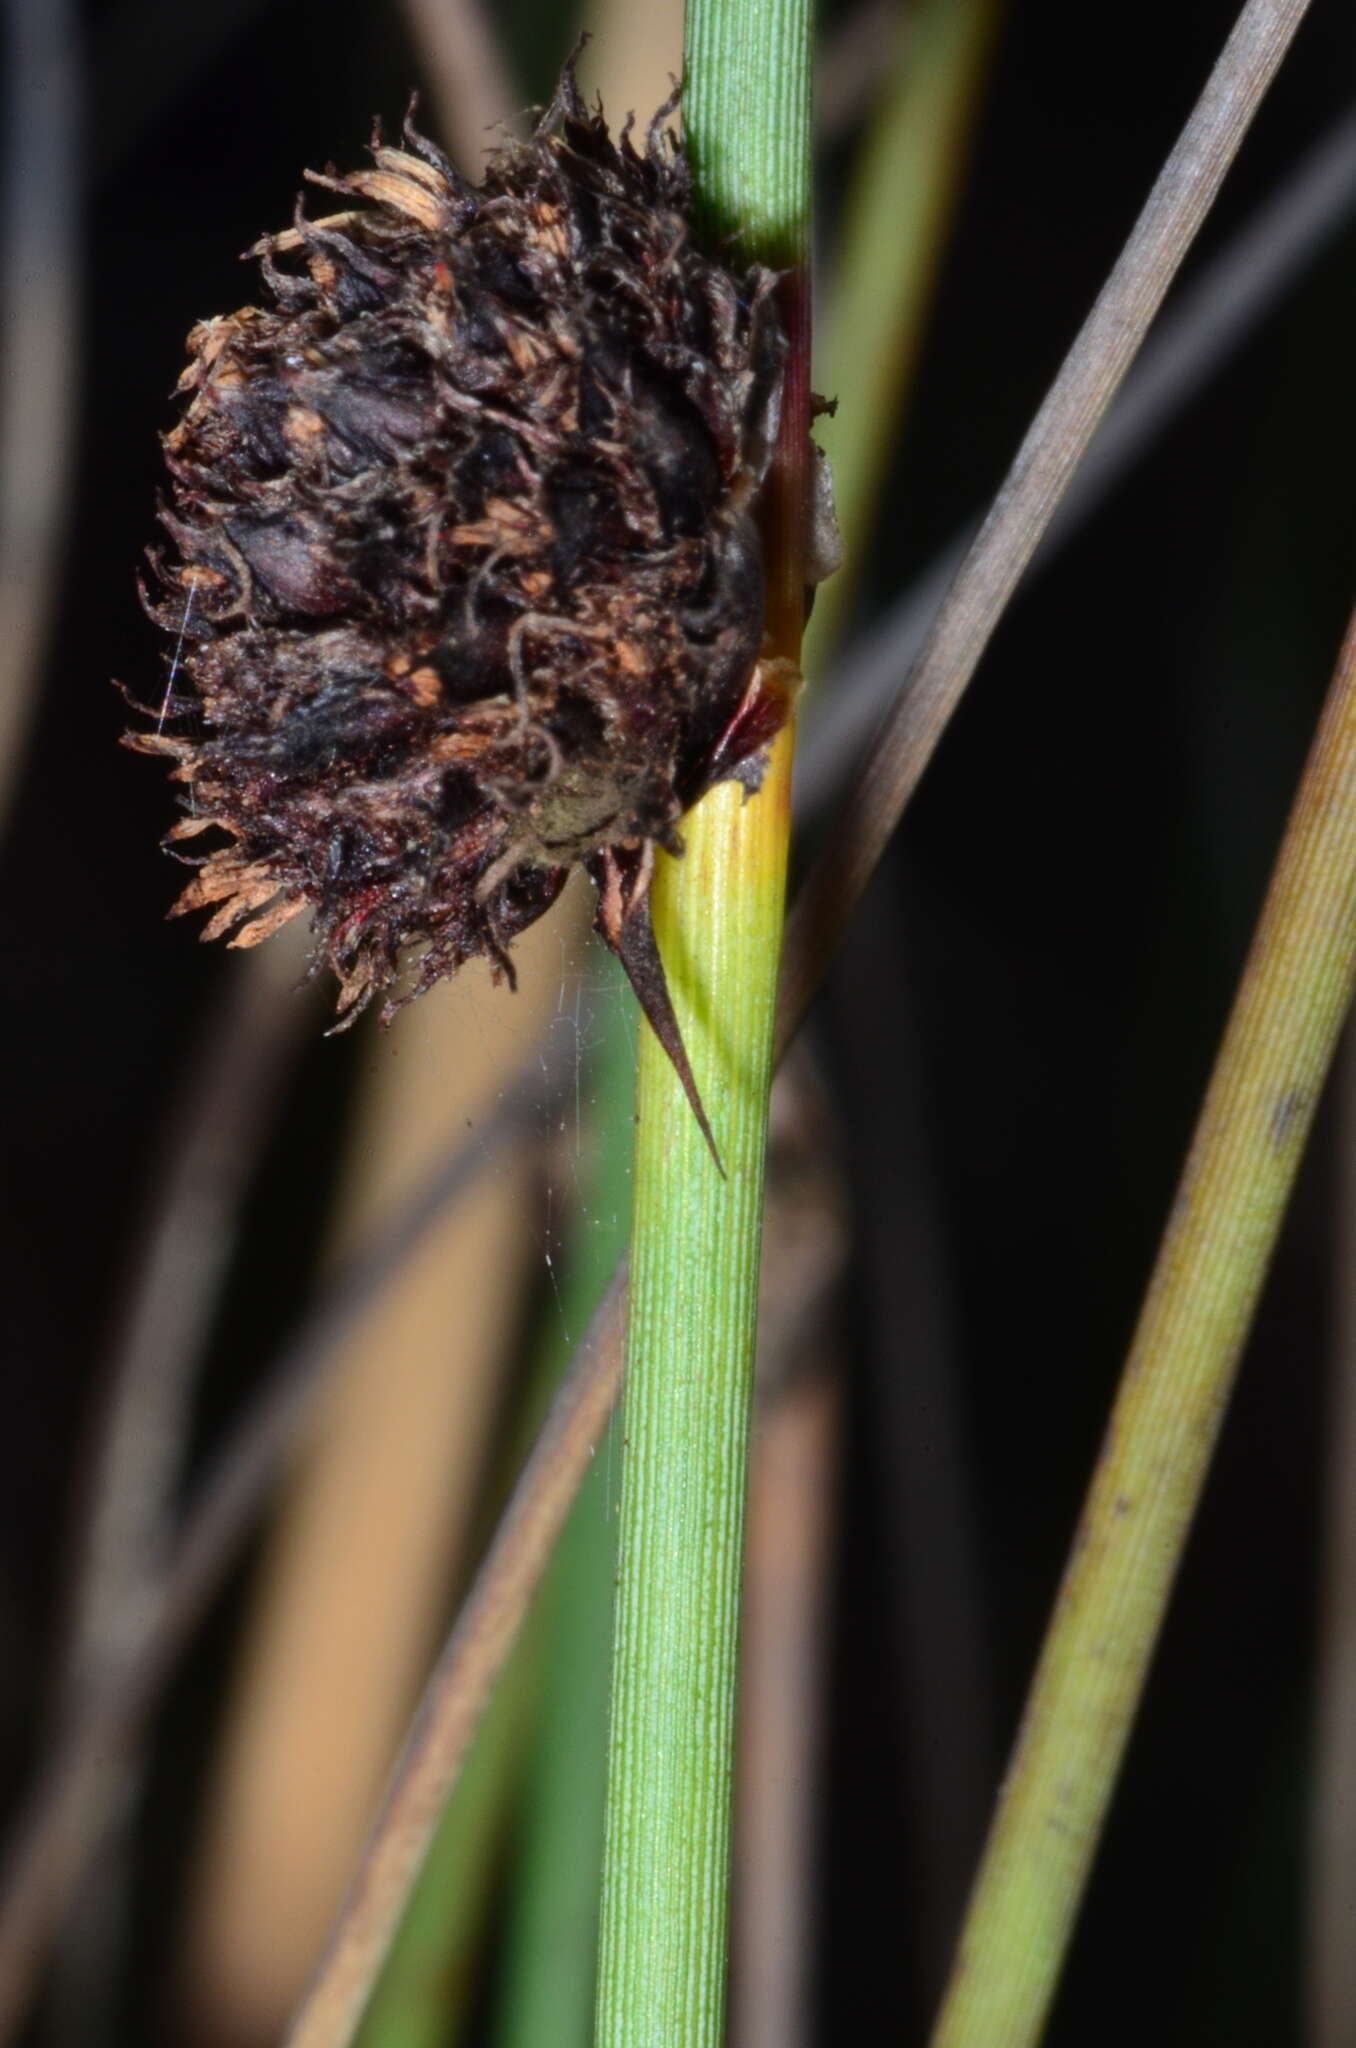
point(973, 1158)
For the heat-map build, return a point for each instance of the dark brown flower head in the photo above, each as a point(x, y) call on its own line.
point(464, 584)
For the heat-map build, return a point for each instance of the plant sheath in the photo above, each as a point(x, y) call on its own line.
point(718, 917)
point(1296, 987)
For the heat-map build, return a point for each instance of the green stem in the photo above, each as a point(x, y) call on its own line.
point(548, 1970)
point(718, 917)
point(1279, 1043)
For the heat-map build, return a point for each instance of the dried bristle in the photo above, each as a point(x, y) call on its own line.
point(463, 573)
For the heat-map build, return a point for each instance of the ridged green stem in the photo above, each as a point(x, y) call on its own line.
point(718, 917)
point(1279, 1043)
point(694, 1286)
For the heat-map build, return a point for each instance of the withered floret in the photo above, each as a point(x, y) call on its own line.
point(464, 586)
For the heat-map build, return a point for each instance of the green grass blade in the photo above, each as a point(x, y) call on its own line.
point(1279, 1043)
point(896, 215)
point(422, 1995)
point(542, 1738)
point(550, 1949)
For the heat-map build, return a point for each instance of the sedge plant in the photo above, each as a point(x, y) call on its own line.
point(734, 851)
point(966, 619)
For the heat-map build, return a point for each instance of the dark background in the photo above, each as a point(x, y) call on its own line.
point(1013, 1045)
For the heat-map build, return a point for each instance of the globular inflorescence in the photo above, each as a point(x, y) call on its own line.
point(463, 582)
